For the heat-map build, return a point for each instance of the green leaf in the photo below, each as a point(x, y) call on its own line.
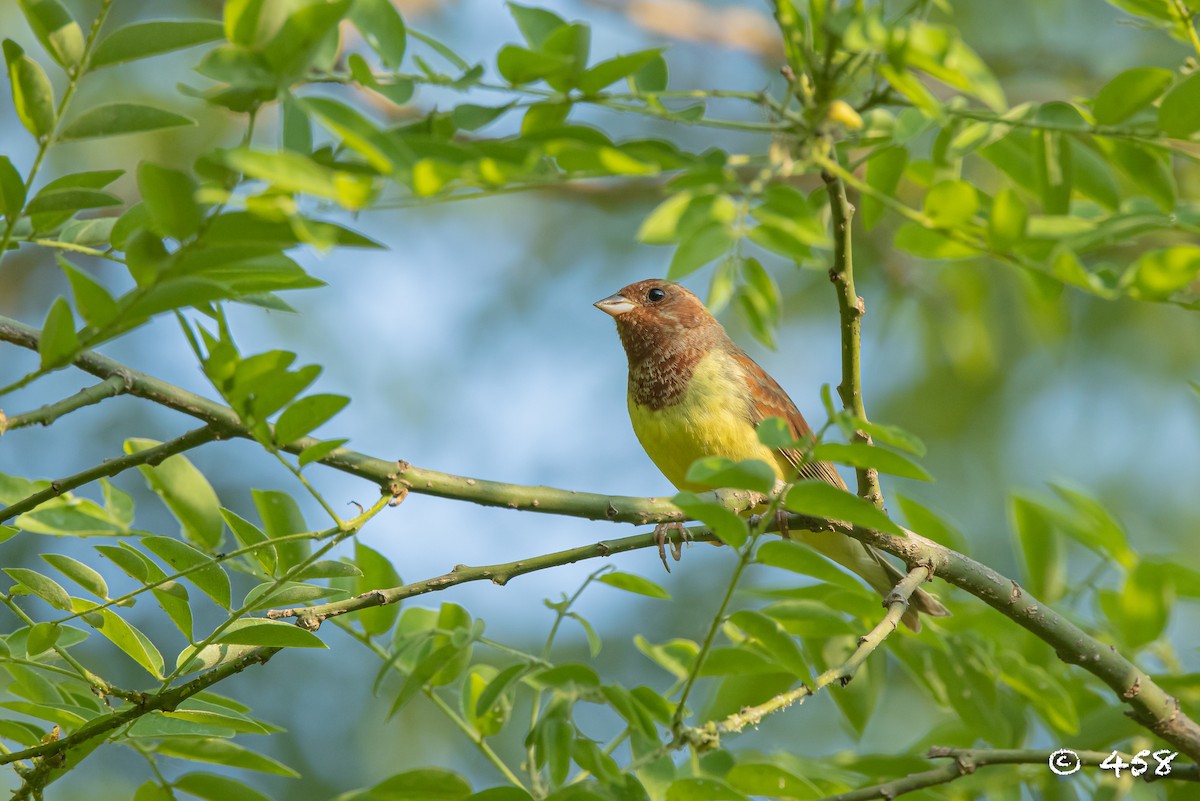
point(58, 340)
point(95, 305)
point(315, 453)
point(469, 117)
point(145, 39)
point(212, 787)
point(1149, 169)
point(635, 584)
point(951, 204)
point(1092, 526)
point(269, 633)
point(116, 119)
point(298, 40)
point(33, 96)
point(764, 779)
point(383, 29)
point(169, 196)
point(674, 656)
point(570, 674)
point(295, 172)
point(925, 522)
point(548, 116)
point(71, 200)
point(221, 752)
point(281, 516)
point(1157, 274)
point(12, 189)
point(430, 665)
point(652, 77)
point(247, 534)
point(42, 638)
point(699, 248)
point(594, 641)
point(1045, 694)
point(770, 635)
point(536, 24)
point(702, 790)
point(813, 619)
point(186, 492)
point(661, 226)
point(1008, 221)
point(729, 527)
point(377, 573)
point(520, 65)
point(1130, 92)
point(56, 30)
point(825, 500)
point(358, 133)
point(928, 244)
point(797, 558)
point(423, 784)
point(716, 472)
point(210, 578)
point(1179, 113)
point(43, 587)
point(78, 572)
point(133, 643)
point(860, 454)
point(496, 687)
point(270, 594)
point(1142, 607)
point(306, 414)
point(1042, 549)
point(884, 170)
point(614, 69)
point(329, 568)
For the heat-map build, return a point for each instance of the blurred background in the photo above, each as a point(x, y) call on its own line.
point(469, 345)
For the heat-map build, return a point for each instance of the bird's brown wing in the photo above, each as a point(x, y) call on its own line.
point(769, 400)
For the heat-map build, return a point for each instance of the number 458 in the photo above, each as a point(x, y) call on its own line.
point(1137, 766)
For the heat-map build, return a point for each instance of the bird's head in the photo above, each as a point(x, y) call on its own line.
point(656, 315)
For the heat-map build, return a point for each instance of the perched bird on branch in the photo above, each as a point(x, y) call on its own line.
point(694, 393)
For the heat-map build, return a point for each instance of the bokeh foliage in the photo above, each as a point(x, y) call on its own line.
point(1086, 194)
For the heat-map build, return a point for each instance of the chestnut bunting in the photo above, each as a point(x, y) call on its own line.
point(694, 393)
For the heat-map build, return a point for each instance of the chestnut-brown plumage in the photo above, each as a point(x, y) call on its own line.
point(694, 393)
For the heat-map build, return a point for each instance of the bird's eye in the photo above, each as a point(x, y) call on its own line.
point(655, 295)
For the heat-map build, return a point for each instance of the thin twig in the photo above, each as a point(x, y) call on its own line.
point(851, 310)
point(896, 603)
point(112, 467)
point(45, 415)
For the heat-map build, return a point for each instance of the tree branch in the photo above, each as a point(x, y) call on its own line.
point(499, 574)
point(968, 760)
point(45, 415)
point(1149, 704)
point(851, 310)
point(896, 603)
point(112, 467)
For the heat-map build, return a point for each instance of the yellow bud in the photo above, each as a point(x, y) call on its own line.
point(842, 112)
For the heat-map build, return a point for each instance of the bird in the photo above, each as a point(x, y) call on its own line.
point(694, 393)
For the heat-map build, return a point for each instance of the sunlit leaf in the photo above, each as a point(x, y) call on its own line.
point(635, 584)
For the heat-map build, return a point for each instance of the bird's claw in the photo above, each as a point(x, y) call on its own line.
point(660, 537)
point(781, 519)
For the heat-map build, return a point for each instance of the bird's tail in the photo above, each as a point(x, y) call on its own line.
point(874, 568)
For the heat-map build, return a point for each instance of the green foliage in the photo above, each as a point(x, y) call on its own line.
point(1092, 195)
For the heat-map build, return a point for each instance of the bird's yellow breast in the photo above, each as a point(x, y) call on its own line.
point(711, 419)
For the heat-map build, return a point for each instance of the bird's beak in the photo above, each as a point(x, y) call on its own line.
point(616, 305)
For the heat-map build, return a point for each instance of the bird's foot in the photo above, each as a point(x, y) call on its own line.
point(781, 519)
point(660, 537)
